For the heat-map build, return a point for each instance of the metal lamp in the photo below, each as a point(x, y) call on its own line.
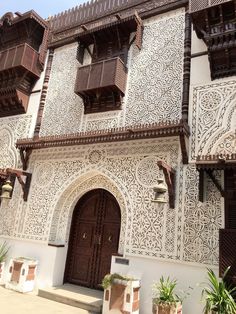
point(6, 189)
point(160, 191)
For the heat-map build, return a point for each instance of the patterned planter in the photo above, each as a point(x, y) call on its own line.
point(167, 308)
point(21, 274)
point(122, 297)
point(2, 267)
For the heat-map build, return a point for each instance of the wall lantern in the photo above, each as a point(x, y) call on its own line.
point(160, 191)
point(24, 178)
point(6, 189)
point(169, 185)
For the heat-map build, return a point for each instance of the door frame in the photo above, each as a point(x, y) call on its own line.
point(69, 253)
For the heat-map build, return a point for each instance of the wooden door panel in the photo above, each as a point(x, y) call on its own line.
point(85, 237)
point(111, 210)
point(109, 246)
point(81, 270)
point(110, 237)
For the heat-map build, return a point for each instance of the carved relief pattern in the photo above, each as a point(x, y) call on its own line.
point(62, 104)
point(213, 118)
point(11, 129)
point(188, 232)
point(163, 75)
point(227, 144)
point(202, 221)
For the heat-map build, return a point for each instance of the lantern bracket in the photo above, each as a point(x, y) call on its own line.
point(169, 174)
point(19, 174)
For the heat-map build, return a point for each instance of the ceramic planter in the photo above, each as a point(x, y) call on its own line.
point(122, 297)
point(21, 274)
point(167, 308)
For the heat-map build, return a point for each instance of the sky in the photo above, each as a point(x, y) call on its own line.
point(44, 8)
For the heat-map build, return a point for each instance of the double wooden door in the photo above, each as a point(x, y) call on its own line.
point(94, 237)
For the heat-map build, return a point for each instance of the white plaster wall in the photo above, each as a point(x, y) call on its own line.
point(150, 271)
point(198, 45)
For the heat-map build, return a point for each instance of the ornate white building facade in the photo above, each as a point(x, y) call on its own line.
point(71, 153)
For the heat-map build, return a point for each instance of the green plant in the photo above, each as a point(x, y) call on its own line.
point(164, 291)
point(4, 248)
point(218, 296)
point(108, 280)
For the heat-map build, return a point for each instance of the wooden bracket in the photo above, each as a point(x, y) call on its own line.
point(201, 185)
point(25, 184)
point(169, 174)
point(139, 31)
point(215, 181)
point(184, 150)
point(24, 155)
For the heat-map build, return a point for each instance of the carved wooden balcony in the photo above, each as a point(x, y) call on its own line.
point(19, 70)
point(22, 57)
point(101, 84)
point(215, 23)
point(227, 247)
point(107, 74)
point(23, 48)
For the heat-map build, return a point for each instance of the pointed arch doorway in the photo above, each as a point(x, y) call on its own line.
point(94, 237)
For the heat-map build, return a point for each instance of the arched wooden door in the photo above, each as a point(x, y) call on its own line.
point(94, 237)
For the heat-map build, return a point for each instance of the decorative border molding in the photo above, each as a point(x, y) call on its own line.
point(167, 129)
point(65, 26)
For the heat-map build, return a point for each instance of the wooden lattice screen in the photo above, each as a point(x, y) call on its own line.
point(198, 5)
point(227, 248)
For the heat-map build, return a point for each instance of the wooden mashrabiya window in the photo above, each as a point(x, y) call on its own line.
point(215, 23)
point(102, 83)
point(23, 44)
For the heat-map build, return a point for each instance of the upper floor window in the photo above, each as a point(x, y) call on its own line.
point(102, 83)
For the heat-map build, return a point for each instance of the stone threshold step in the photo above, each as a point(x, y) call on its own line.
point(81, 297)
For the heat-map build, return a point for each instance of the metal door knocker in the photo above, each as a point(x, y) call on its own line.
point(110, 238)
point(84, 235)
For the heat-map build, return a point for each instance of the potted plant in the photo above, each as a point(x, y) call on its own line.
point(165, 300)
point(4, 248)
point(120, 293)
point(218, 296)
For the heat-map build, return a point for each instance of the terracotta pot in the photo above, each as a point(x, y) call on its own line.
point(167, 308)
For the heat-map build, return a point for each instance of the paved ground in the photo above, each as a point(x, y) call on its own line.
point(13, 302)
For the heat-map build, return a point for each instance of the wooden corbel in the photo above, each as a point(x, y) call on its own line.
point(24, 155)
point(25, 184)
point(184, 148)
point(139, 31)
point(210, 173)
point(169, 174)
